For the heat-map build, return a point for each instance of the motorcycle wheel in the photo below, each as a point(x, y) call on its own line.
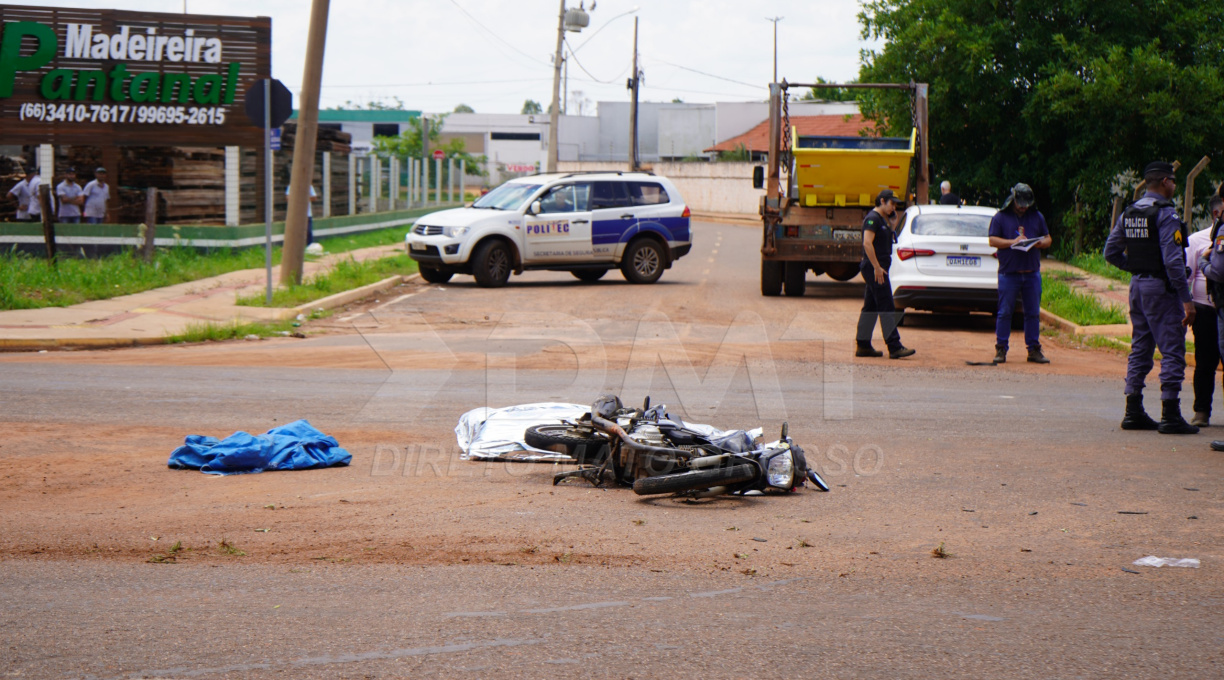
point(573, 440)
point(697, 479)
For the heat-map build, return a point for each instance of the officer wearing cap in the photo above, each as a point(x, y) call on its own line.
point(1149, 241)
point(878, 239)
point(1011, 230)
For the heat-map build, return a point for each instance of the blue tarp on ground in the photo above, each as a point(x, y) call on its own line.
point(296, 446)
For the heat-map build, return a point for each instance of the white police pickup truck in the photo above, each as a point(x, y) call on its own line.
point(583, 223)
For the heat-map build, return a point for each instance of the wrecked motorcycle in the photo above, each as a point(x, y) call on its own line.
point(655, 454)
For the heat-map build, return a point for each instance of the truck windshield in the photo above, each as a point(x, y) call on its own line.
point(951, 225)
point(507, 197)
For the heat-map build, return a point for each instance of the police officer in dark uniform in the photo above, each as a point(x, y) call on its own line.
point(878, 239)
point(1149, 241)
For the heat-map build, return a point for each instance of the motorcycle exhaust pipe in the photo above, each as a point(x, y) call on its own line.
point(708, 461)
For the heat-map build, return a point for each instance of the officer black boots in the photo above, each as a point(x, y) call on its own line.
point(866, 350)
point(1136, 418)
point(1036, 357)
point(1000, 354)
point(1171, 421)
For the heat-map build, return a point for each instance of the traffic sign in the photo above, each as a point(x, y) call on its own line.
point(282, 103)
point(439, 154)
point(276, 139)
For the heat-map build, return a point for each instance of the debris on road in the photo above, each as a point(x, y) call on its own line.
point(295, 446)
point(1154, 561)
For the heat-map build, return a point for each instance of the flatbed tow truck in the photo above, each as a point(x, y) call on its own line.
point(812, 221)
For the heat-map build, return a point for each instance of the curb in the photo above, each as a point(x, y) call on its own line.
point(339, 299)
point(1108, 331)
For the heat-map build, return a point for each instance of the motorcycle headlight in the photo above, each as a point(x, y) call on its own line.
point(780, 472)
point(455, 232)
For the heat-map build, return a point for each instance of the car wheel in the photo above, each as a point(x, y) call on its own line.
point(643, 261)
point(491, 264)
point(771, 278)
point(435, 275)
point(589, 275)
point(795, 283)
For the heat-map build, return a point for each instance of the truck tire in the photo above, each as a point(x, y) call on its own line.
point(771, 278)
point(842, 272)
point(491, 264)
point(589, 275)
point(644, 261)
point(435, 275)
point(796, 279)
point(697, 479)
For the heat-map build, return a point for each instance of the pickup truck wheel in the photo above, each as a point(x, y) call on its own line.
point(771, 278)
point(796, 279)
point(589, 275)
point(643, 262)
point(491, 264)
point(435, 275)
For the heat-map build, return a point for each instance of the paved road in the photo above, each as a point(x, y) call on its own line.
point(1020, 472)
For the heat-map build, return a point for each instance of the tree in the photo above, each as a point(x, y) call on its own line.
point(464, 108)
point(1060, 94)
point(532, 107)
point(408, 145)
point(825, 94)
point(396, 104)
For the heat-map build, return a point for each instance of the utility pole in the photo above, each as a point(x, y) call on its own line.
point(294, 248)
point(634, 84)
point(775, 21)
point(554, 112)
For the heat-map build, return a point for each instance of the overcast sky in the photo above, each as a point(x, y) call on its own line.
point(494, 54)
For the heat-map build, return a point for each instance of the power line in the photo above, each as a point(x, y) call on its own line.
point(708, 75)
point(495, 36)
point(444, 84)
point(584, 70)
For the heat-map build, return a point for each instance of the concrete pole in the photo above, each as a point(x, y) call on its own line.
point(352, 202)
point(450, 180)
point(425, 181)
point(393, 180)
point(555, 110)
point(233, 185)
point(411, 181)
point(327, 182)
point(375, 181)
point(462, 181)
point(437, 181)
point(304, 146)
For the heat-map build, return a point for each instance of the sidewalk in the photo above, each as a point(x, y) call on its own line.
point(147, 318)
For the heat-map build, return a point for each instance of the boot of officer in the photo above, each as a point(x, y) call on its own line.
point(1149, 241)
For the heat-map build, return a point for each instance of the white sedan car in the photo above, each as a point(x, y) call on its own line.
point(943, 261)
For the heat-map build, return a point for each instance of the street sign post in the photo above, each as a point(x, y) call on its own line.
point(269, 104)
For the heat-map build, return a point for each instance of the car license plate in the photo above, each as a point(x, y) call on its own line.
point(416, 246)
point(964, 261)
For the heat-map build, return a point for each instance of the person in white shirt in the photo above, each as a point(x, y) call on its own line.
point(71, 198)
point(314, 198)
point(21, 192)
point(96, 193)
point(1206, 330)
point(34, 181)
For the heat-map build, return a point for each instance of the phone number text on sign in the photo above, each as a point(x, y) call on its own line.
point(122, 113)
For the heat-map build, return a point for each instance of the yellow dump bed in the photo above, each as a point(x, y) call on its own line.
point(850, 171)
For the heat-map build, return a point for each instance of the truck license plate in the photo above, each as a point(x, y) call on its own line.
point(417, 246)
point(964, 261)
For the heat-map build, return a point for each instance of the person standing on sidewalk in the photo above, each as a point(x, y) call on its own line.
point(1206, 324)
point(1019, 270)
point(71, 198)
point(96, 193)
point(1149, 241)
point(21, 192)
point(878, 239)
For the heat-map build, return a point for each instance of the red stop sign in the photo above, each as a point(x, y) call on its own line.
point(438, 154)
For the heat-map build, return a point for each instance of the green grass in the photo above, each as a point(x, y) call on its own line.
point(1078, 308)
point(1096, 264)
point(29, 282)
point(217, 332)
point(345, 275)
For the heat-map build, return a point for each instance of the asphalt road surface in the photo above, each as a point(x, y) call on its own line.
point(412, 562)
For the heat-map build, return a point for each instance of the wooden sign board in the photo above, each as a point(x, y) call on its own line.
point(121, 78)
